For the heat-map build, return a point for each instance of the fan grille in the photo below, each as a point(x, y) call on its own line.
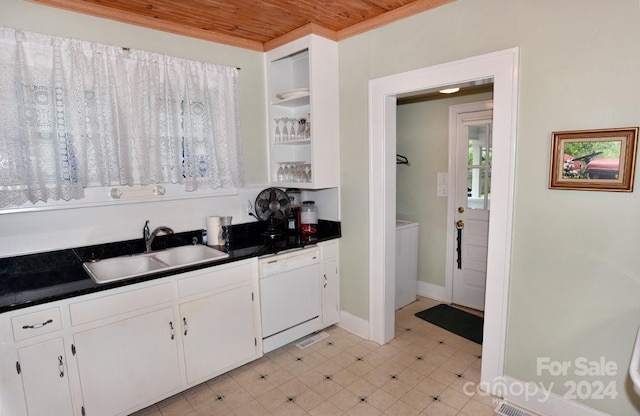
point(272, 205)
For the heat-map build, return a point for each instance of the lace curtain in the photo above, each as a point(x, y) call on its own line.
point(76, 114)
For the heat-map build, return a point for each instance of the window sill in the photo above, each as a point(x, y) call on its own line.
point(101, 196)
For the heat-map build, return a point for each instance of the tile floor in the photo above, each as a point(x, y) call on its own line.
point(423, 371)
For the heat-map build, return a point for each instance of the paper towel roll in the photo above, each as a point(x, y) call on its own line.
point(213, 230)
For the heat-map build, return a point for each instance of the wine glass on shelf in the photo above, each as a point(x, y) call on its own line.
point(280, 174)
point(308, 172)
point(277, 136)
point(285, 130)
point(304, 177)
point(296, 172)
point(307, 127)
point(300, 132)
point(287, 173)
point(293, 130)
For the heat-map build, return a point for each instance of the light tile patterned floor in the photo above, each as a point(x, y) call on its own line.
point(423, 371)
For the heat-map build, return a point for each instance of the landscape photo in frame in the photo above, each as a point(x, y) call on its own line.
point(594, 160)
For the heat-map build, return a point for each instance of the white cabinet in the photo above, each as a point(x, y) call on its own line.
point(330, 283)
point(303, 85)
point(33, 364)
point(406, 263)
point(128, 363)
point(45, 378)
point(220, 331)
point(140, 342)
point(117, 351)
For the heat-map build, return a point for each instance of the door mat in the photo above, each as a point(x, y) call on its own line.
point(454, 320)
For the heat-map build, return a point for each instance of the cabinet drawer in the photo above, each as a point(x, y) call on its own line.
point(36, 323)
point(214, 278)
point(121, 303)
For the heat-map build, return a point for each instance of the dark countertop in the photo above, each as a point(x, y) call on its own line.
point(46, 277)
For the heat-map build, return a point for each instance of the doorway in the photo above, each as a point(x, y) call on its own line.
point(470, 144)
point(383, 92)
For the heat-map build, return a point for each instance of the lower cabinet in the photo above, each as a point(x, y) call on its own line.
point(128, 362)
point(330, 283)
point(45, 379)
point(205, 322)
point(115, 352)
point(218, 332)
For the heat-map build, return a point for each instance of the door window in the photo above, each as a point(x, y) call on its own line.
point(479, 166)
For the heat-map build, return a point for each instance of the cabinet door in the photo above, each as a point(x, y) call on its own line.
point(43, 369)
point(220, 331)
point(330, 293)
point(128, 363)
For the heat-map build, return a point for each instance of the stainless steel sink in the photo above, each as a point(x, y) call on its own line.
point(126, 267)
point(184, 255)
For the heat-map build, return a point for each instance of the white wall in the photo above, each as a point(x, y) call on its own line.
point(575, 276)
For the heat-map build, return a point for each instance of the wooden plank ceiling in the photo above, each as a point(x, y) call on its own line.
point(253, 24)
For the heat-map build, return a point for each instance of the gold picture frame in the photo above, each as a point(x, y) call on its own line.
point(594, 160)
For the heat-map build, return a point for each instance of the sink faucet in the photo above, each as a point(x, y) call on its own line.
point(150, 236)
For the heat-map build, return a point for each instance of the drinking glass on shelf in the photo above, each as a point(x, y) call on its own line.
point(280, 175)
point(304, 177)
point(285, 130)
point(277, 137)
point(300, 132)
point(296, 172)
point(308, 171)
point(293, 132)
point(307, 127)
point(287, 173)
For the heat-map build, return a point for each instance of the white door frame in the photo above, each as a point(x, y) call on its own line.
point(454, 110)
point(502, 66)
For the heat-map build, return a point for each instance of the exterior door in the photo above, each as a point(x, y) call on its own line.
point(472, 204)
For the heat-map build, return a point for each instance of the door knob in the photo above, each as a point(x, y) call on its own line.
point(460, 210)
point(459, 224)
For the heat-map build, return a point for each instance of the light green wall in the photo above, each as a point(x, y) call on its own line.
point(575, 273)
point(32, 17)
point(423, 135)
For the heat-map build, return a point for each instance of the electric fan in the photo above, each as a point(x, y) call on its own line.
point(273, 206)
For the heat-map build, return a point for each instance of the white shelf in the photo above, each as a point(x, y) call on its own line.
point(308, 62)
point(293, 142)
point(293, 102)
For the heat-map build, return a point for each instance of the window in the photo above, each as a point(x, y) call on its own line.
point(76, 115)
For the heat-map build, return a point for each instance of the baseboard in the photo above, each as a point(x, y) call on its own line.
point(530, 396)
point(354, 324)
point(429, 290)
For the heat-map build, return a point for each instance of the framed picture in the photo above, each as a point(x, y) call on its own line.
point(594, 160)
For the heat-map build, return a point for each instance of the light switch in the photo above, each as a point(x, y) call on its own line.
point(443, 184)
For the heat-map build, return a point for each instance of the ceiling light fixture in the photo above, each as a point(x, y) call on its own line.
point(450, 90)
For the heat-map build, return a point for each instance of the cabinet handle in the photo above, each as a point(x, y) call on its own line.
point(186, 326)
point(173, 333)
point(60, 366)
point(325, 280)
point(36, 326)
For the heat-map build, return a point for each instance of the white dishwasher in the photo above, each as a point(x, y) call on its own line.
point(406, 262)
point(290, 296)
